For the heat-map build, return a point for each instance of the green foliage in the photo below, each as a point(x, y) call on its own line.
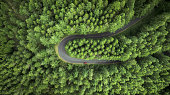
point(145, 6)
point(29, 30)
point(148, 41)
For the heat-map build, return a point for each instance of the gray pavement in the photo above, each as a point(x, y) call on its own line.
point(63, 54)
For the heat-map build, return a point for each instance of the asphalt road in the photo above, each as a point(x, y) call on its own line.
point(64, 56)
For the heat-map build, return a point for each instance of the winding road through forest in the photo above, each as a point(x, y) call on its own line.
point(60, 49)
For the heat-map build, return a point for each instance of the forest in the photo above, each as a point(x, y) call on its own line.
point(149, 40)
point(30, 29)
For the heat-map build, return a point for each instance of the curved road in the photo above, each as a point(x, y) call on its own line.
point(64, 56)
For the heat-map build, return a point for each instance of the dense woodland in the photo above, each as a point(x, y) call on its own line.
point(30, 29)
point(150, 39)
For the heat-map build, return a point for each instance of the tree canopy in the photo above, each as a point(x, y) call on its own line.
point(30, 29)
